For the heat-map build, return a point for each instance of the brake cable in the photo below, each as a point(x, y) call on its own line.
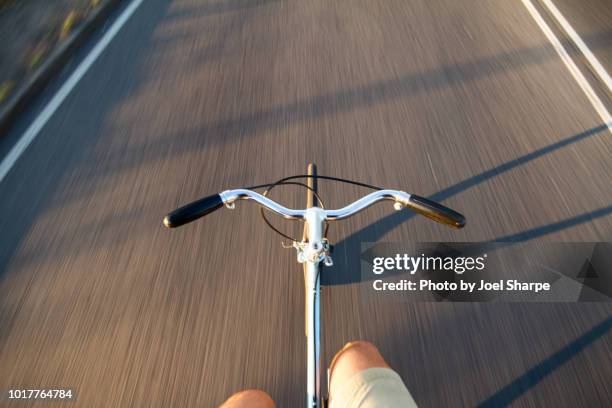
point(341, 180)
point(285, 181)
point(280, 183)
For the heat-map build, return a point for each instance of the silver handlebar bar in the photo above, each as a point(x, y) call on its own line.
point(421, 205)
point(231, 196)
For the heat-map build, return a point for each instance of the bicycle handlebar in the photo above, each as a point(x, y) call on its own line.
point(193, 211)
point(436, 211)
point(423, 206)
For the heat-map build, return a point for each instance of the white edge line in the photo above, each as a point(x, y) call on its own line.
point(599, 69)
point(32, 131)
point(571, 66)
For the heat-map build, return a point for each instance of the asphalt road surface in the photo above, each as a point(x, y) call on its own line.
point(466, 102)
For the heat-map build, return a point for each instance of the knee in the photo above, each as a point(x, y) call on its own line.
point(354, 357)
point(249, 399)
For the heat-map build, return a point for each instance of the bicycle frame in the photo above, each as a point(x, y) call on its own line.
point(315, 225)
point(312, 252)
point(314, 249)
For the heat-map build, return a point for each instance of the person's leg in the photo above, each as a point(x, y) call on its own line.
point(249, 399)
point(361, 378)
point(354, 357)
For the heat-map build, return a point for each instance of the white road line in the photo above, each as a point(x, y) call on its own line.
point(571, 66)
point(32, 131)
point(599, 69)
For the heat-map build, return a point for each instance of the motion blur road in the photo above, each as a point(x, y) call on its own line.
point(465, 102)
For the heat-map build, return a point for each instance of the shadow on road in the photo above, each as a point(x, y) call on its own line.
point(347, 270)
point(46, 195)
point(555, 226)
point(343, 100)
point(37, 179)
point(224, 131)
point(204, 10)
point(537, 373)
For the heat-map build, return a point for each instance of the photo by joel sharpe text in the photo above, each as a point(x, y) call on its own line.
point(462, 285)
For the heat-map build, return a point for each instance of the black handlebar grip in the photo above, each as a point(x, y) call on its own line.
point(436, 211)
point(193, 211)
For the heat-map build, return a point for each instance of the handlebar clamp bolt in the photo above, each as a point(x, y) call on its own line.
point(398, 206)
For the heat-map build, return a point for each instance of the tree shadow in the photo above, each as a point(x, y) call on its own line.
point(348, 269)
point(224, 131)
point(343, 100)
point(537, 373)
point(555, 226)
point(222, 35)
point(209, 9)
point(18, 219)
